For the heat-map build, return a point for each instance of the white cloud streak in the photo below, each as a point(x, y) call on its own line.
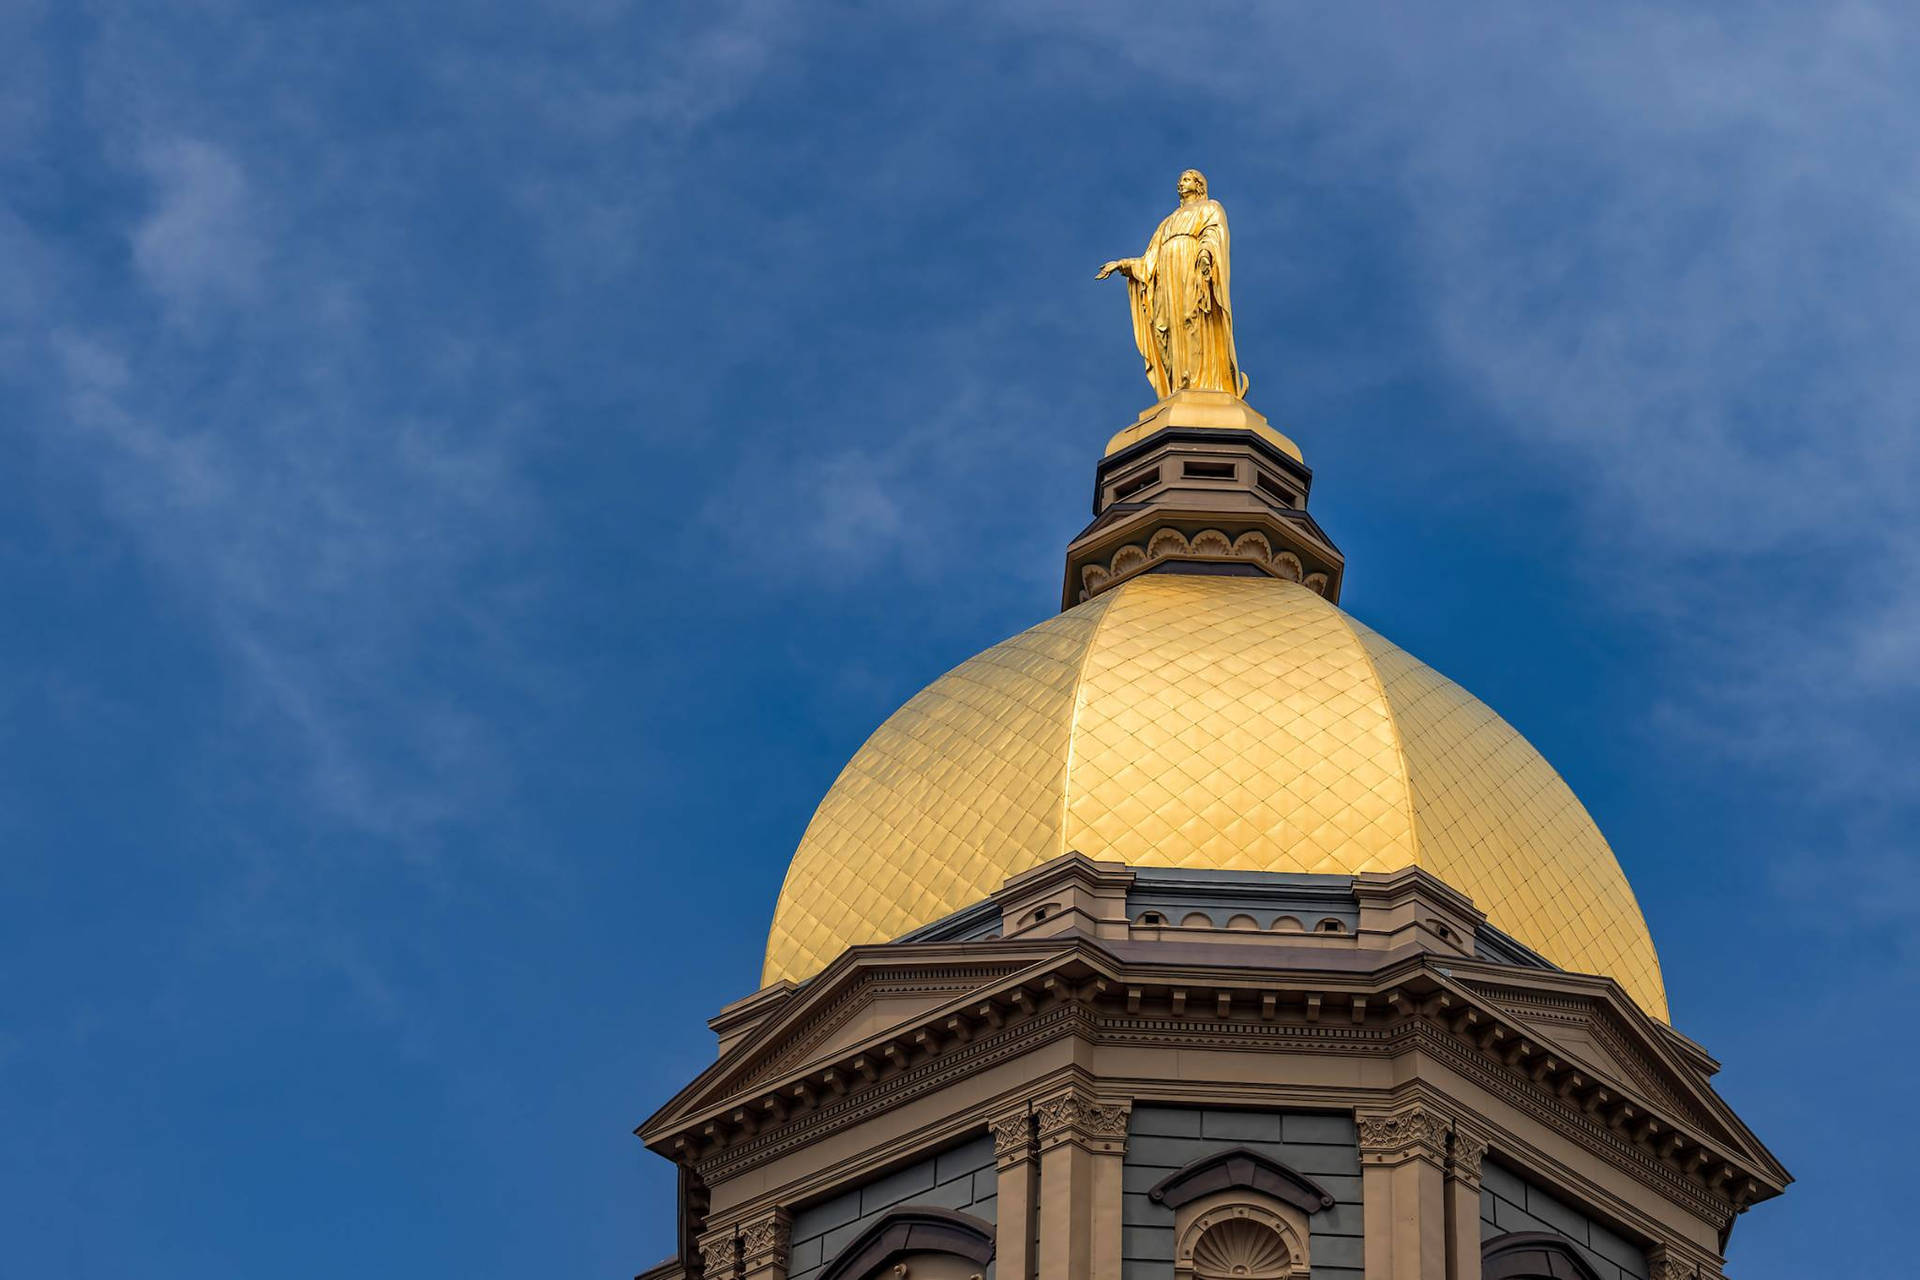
point(201, 245)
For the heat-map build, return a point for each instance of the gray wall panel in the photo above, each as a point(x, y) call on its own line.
point(1508, 1202)
point(1163, 1139)
point(960, 1178)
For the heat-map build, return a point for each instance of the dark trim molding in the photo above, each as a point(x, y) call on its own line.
point(1532, 1255)
point(1239, 1167)
point(912, 1229)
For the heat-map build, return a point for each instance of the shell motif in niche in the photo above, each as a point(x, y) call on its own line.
point(1167, 542)
point(1253, 545)
point(1093, 577)
point(1241, 1247)
point(1211, 542)
point(1317, 582)
point(1127, 559)
point(1288, 566)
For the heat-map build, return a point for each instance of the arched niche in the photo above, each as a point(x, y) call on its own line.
point(1532, 1255)
point(931, 1244)
point(1234, 1236)
point(1240, 1214)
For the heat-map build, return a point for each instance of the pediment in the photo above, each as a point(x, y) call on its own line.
point(857, 1000)
point(1586, 1041)
point(1595, 1029)
point(874, 1006)
point(882, 1011)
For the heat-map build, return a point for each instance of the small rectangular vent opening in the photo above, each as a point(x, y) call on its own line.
point(1207, 470)
point(1134, 484)
point(1273, 489)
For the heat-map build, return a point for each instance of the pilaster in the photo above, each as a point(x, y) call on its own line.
point(1465, 1150)
point(1403, 1171)
point(1017, 1170)
point(1083, 1144)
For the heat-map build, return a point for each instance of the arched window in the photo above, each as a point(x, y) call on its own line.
point(932, 1244)
point(1532, 1255)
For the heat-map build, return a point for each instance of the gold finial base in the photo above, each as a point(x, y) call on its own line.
point(1200, 484)
point(1203, 410)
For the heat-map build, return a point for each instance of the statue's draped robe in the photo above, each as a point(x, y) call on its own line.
point(1182, 320)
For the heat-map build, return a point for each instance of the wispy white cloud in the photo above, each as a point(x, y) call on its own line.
point(201, 246)
point(315, 550)
point(231, 377)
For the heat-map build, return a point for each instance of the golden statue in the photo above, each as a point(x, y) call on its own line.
point(1182, 319)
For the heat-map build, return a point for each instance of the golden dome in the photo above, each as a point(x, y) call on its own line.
point(1204, 722)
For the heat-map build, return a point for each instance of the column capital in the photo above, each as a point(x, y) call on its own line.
point(1012, 1138)
point(1075, 1115)
point(1406, 1133)
point(1664, 1262)
point(1465, 1150)
point(764, 1241)
point(719, 1252)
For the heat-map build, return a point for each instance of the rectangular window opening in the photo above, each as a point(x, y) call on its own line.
point(1207, 470)
point(1134, 484)
point(1268, 485)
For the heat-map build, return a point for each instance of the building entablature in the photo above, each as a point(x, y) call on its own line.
point(892, 1024)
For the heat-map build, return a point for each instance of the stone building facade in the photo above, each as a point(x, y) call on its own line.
point(1201, 932)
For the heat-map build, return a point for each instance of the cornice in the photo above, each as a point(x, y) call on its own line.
point(1083, 990)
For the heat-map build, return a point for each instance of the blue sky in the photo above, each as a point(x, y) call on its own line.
point(470, 476)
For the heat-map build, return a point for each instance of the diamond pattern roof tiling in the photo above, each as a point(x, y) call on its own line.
point(1204, 722)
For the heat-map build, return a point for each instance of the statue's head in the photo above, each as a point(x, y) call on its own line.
point(1192, 185)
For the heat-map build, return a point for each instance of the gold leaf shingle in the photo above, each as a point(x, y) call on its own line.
point(1204, 722)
